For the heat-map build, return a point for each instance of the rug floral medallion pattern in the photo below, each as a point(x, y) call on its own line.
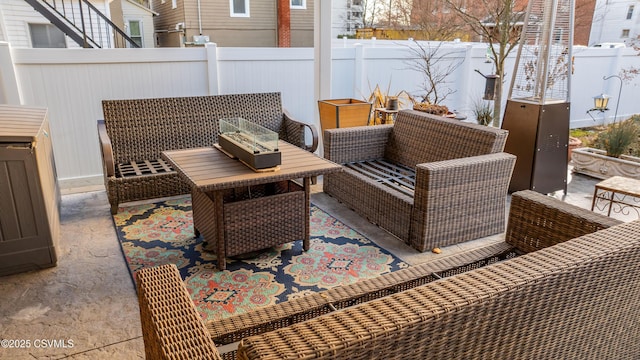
point(161, 233)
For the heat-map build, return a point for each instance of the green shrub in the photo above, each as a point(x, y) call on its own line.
point(618, 138)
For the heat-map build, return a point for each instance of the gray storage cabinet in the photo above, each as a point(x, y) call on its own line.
point(29, 193)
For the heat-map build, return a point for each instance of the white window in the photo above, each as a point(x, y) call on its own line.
point(174, 4)
point(298, 4)
point(134, 30)
point(630, 12)
point(557, 36)
point(46, 36)
point(239, 8)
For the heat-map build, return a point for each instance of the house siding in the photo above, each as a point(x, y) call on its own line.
point(302, 26)
point(165, 22)
point(257, 30)
point(3, 30)
point(132, 12)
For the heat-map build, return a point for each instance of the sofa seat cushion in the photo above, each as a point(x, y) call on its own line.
point(142, 167)
point(399, 177)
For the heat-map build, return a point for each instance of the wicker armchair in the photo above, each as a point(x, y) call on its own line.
point(568, 298)
point(135, 132)
point(428, 180)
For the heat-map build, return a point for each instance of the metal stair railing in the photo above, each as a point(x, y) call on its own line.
point(83, 23)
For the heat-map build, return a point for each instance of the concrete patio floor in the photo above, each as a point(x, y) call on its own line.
point(88, 303)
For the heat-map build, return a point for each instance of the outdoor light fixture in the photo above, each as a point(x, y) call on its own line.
point(601, 101)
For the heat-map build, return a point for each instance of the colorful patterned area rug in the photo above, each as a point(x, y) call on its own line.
point(161, 233)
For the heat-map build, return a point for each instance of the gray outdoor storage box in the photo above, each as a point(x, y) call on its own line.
point(29, 193)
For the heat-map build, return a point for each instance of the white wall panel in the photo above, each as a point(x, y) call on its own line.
point(73, 82)
point(288, 71)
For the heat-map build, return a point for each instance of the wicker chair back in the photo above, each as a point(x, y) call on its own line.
point(415, 141)
point(142, 128)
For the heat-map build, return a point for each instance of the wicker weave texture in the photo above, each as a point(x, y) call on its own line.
point(347, 145)
point(267, 218)
point(459, 200)
point(296, 310)
point(570, 301)
point(423, 138)
point(140, 129)
point(171, 326)
point(574, 300)
point(378, 203)
point(537, 221)
point(143, 128)
point(456, 199)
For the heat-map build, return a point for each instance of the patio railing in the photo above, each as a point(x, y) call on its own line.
point(83, 23)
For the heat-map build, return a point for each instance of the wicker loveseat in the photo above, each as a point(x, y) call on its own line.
point(429, 180)
point(134, 132)
point(564, 285)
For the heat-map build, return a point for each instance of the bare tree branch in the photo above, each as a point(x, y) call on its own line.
point(497, 22)
point(435, 65)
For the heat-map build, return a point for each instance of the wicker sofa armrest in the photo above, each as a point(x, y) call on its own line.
point(295, 132)
point(572, 301)
point(171, 325)
point(460, 199)
point(358, 143)
point(106, 150)
point(537, 221)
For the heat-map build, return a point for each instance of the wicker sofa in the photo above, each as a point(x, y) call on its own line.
point(134, 132)
point(564, 285)
point(429, 180)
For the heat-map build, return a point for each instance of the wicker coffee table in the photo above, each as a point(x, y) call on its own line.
point(238, 210)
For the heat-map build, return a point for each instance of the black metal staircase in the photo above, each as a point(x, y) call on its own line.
point(83, 23)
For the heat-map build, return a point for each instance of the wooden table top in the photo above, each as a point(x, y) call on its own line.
point(210, 169)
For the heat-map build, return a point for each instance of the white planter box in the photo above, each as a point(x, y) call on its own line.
point(594, 162)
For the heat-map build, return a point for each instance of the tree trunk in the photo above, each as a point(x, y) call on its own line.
point(497, 99)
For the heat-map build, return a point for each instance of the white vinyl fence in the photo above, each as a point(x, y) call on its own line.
point(71, 83)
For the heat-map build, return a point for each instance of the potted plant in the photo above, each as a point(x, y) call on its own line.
point(611, 157)
point(574, 143)
point(386, 106)
point(483, 112)
point(382, 99)
point(618, 137)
